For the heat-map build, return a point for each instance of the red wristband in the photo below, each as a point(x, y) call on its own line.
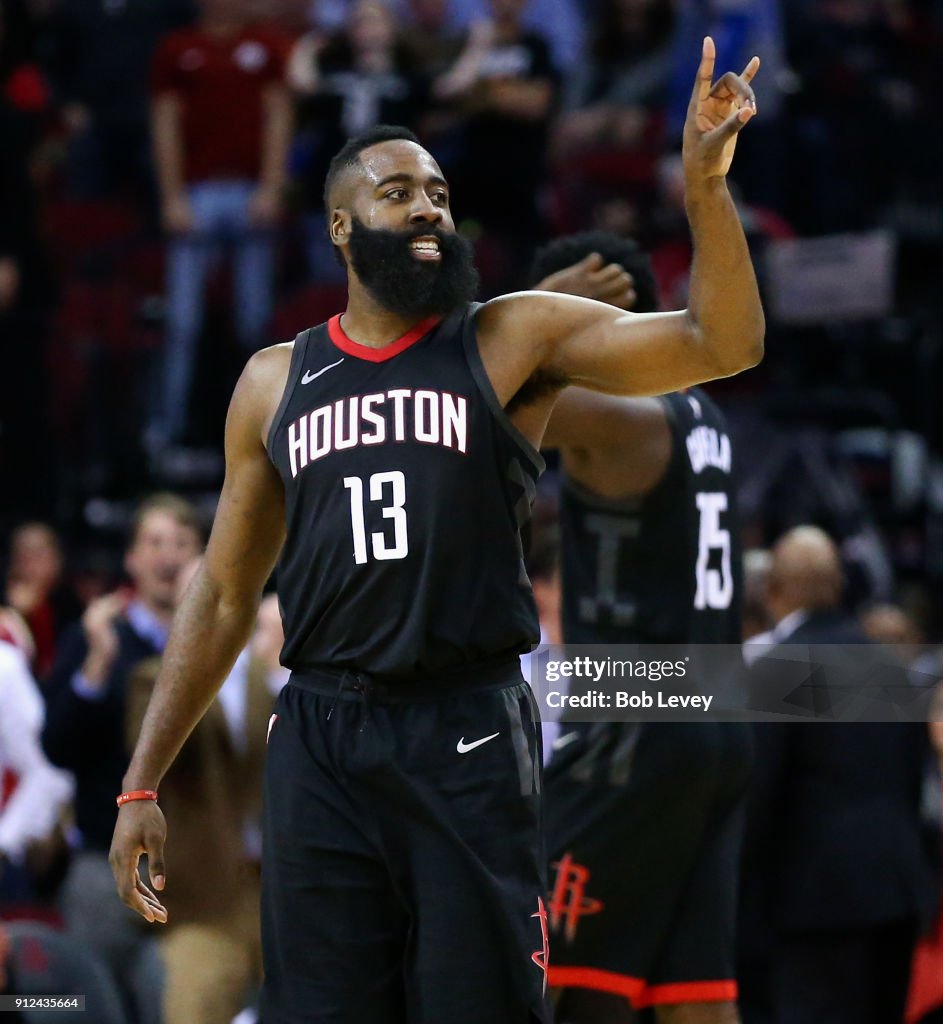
point(136, 794)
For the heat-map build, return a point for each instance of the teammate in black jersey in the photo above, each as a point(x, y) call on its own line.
point(402, 861)
point(643, 821)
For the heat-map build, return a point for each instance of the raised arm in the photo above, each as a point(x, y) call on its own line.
point(212, 624)
point(569, 340)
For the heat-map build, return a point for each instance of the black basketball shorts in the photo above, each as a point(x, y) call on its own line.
point(403, 868)
point(644, 825)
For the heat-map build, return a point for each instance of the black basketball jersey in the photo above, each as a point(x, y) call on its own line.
point(406, 490)
point(664, 568)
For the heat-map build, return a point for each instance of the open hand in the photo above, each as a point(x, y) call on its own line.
point(716, 114)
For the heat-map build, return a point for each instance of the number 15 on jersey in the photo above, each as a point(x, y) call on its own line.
point(714, 585)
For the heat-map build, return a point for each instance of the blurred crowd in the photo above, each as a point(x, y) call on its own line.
point(161, 217)
point(76, 673)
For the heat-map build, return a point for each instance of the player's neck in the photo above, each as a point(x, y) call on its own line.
point(368, 323)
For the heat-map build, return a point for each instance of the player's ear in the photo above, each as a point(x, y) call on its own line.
point(340, 227)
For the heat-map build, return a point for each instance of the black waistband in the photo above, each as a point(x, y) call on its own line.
point(353, 684)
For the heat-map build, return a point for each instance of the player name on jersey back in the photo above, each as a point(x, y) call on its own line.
point(663, 568)
point(396, 415)
point(708, 447)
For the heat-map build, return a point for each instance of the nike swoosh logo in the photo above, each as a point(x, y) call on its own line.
point(309, 376)
point(464, 747)
point(564, 741)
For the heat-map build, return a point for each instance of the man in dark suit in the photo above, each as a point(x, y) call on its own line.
point(836, 882)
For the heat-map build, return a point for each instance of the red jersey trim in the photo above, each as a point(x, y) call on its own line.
point(688, 992)
point(378, 355)
point(640, 994)
point(596, 979)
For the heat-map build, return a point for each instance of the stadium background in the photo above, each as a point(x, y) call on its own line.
point(839, 182)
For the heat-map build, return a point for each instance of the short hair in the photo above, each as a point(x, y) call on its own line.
point(164, 501)
point(569, 249)
point(349, 154)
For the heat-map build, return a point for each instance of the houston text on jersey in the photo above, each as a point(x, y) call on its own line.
point(400, 414)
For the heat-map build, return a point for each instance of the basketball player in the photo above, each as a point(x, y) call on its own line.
point(402, 863)
point(643, 820)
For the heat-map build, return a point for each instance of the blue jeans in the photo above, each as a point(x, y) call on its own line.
point(220, 211)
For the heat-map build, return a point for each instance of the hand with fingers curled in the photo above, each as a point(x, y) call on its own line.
point(594, 278)
point(717, 113)
point(140, 830)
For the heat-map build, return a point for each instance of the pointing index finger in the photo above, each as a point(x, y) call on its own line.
point(705, 73)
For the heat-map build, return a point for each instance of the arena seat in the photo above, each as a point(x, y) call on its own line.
point(46, 962)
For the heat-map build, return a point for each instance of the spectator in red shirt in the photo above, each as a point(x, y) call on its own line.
point(221, 120)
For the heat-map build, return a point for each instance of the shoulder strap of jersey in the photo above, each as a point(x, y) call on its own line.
point(678, 410)
point(294, 372)
point(679, 416)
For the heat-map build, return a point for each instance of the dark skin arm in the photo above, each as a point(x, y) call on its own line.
point(616, 447)
point(212, 624)
point(569, 340)
point(549, 340)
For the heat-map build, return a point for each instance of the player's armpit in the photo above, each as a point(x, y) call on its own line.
point(590, 419)
point(613, 445)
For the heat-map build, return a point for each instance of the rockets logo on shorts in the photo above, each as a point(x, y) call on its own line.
point(541, 957)
point(568, 900)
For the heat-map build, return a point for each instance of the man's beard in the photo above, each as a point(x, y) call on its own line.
point(409, 286)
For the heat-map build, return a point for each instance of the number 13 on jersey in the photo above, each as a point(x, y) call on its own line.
point(394, 483)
